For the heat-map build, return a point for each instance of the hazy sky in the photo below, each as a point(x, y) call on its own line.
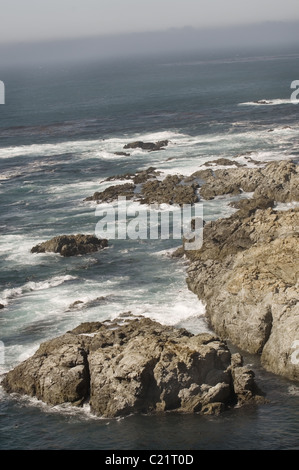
point(27, 20)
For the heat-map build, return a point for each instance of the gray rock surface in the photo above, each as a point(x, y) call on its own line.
point(135, 365)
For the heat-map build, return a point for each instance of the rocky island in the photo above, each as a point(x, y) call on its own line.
point(135, 365)
point(71, 245)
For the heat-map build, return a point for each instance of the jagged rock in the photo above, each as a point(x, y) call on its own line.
point(138, 177)
point(113, 192)
point(247, 274)
point(223, 162)
point(135, 365)
point(219, 187)
point(76, 304)
point(122, 154)
point(263, 102)
point(71, 245)
point(171, 190)
point(144, 175)
point(90, 303)
point(147, 145)
point(126, 176)
point(200, 175)
point(278, 181)
point(247, 207)
point(57, 373)
point(2, 306)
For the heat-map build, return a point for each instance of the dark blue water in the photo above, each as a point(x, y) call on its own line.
point(59, 131)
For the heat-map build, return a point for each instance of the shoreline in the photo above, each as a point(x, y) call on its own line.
point(248, 208)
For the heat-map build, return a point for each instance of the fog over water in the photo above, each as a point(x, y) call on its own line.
point(171, 41)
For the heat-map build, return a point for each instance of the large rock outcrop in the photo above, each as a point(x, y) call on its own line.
point(148, 189)
point(247, 274)
point(151, 146)
point(71, 245)
point(135, 365)
point(276, 180)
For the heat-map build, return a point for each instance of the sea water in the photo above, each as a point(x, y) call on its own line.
point(60, 129)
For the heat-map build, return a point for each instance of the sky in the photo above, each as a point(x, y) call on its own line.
point(40, 20)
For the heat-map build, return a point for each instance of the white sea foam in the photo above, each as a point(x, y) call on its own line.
point(285, 206)
point(98, 148)
point(293, 390)
point(31, 286)
point(266, 102)
point(178, 306)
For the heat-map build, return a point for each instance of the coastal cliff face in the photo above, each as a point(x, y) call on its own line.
point(135, 365)
point(276, 180)
point(247, 274)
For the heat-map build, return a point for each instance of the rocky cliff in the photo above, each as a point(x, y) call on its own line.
point(247, 274)
point(276, 180)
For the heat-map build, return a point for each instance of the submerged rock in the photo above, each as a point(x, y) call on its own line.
point(71, 245)
point(135, 365)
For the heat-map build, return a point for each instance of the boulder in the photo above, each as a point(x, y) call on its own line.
point(135, 365)
point(223, 162)
point(147, 145)
point(71, 245)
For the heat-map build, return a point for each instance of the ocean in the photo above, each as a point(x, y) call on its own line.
point(60, 128)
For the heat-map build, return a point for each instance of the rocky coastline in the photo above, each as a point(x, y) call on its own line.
point(246, 273)
point(247, 270)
